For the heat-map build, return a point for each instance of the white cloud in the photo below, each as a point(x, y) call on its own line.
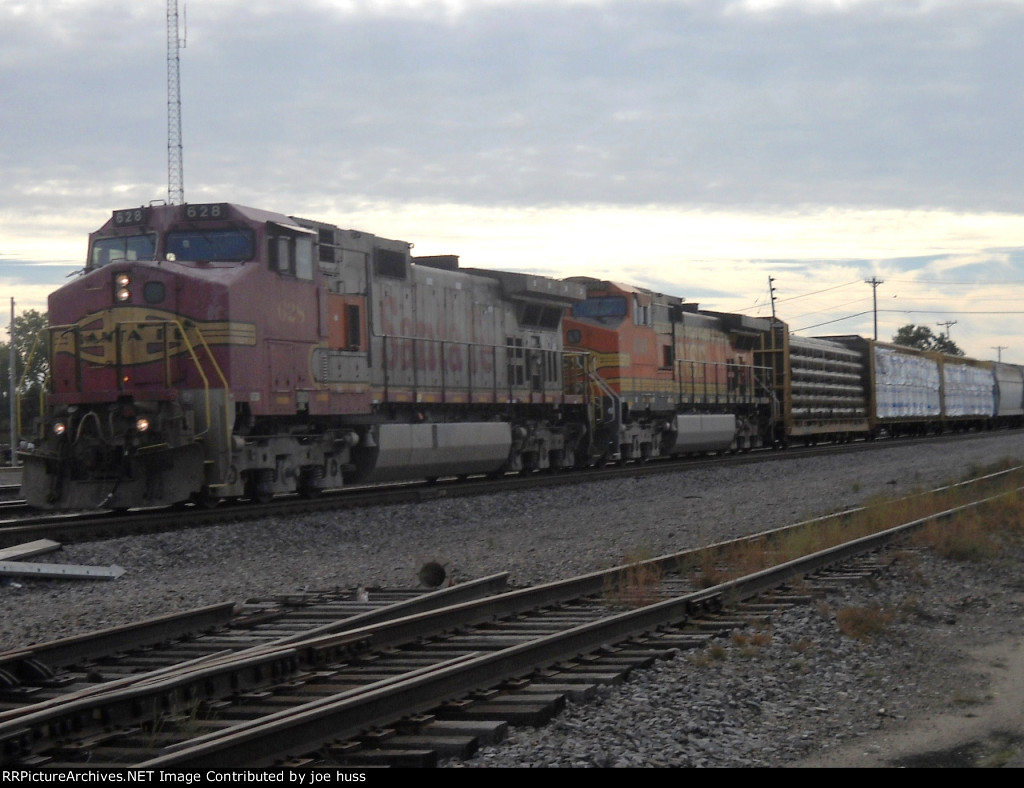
point(827, 139)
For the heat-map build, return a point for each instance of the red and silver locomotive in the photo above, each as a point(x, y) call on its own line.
point(218, 351)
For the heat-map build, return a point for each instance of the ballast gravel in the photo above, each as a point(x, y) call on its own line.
point(778, 694)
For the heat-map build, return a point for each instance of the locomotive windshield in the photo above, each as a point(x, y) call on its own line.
point(597, 308)
point(206, 245)
point(123, 247)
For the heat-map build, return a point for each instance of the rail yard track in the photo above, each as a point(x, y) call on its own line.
point(26, 525)
point(329, 680)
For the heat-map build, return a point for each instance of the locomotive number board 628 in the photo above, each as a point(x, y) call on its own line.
point(130, 216)
point(216, 210)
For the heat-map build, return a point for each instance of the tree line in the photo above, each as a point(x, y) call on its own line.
point(922, 338)
point(31, 367)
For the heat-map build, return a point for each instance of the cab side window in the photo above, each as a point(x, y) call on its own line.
point(292, 255)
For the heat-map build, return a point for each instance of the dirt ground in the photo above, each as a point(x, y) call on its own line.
point(986, 734)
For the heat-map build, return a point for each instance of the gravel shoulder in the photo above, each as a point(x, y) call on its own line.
point(946, 672)
point(987, 732)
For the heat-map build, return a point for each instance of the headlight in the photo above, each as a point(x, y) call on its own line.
point(122, 289)
point(59, 428)
point(142, 424)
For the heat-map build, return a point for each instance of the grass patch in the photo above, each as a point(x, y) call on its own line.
point(638, 582)
point(962, 698)
point(976, 535)
point(863, 623)
point(750, 644)
point(972, 535)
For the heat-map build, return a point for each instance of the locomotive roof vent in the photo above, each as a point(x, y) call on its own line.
point(539, 289)
point(446, 262)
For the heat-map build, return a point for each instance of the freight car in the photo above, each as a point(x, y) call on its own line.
point(1010, 394)
point(218, 351)
point(912, 391)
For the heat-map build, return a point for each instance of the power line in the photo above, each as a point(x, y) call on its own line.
point(827, 309)
point(758, 303)
point(905, 312)
point(830, 322)
point(816, 292)
point(974, 283)
point(947, 311)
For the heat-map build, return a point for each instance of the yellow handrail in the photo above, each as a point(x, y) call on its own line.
point(191, 349)
point(199, 367)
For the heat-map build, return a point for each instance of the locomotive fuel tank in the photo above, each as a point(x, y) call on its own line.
point(393, 452)
point(692, 433)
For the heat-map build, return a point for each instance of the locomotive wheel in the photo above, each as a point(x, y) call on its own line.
point(260, 496)
point(310, 483)
point(204, 499)
point(307, 491)
point(259, 488)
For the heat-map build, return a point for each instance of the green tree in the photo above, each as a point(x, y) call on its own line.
point(31, 368)
point(922, 338)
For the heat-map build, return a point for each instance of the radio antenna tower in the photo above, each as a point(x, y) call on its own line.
point(175, 169)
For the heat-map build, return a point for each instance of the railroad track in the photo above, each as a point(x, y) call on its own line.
point(102, 524)
point(406, 684)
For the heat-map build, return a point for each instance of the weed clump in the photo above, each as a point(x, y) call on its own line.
point(863, 623)
point(637, 584)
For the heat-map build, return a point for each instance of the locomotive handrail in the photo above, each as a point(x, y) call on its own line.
point(711, 389)
point(65, 329)
point(605, 389)
point(388, 340)
point(391, 350)
point(199, 367)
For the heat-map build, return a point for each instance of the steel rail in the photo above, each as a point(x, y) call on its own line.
point(268, 740)
point(127, 700)
point(82, 526)
point(346, 714)
point(63, 652)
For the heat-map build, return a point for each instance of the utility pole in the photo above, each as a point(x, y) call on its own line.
point(999, 351)
point(874, 293)
point(771, 293)
point(175, 168)
point(12, 392)
point(947, 324)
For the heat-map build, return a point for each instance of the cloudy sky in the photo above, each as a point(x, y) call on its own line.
point(696, 147)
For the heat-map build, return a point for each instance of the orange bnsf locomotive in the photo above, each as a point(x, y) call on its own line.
point(671, 379)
